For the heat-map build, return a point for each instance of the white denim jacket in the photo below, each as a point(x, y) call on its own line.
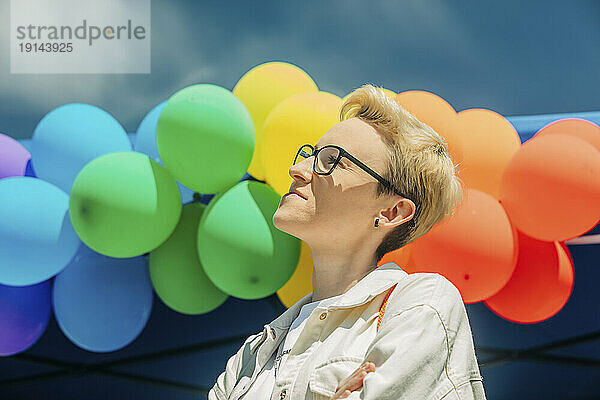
point(423, 350)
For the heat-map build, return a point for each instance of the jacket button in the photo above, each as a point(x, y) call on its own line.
point(323, 315)
point(282, 394)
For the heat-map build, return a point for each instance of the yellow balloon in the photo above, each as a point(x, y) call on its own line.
point(262, 88)
point(300, 119)
point(389, 93)
point(300, 284)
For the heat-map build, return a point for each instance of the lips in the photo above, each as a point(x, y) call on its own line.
point(294, 192)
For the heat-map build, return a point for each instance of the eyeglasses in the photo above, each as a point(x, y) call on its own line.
point(328, 157)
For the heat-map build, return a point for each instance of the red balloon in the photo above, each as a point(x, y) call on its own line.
point(475, 249)
point(541, 284)
point(399, 256)
point(551, 187)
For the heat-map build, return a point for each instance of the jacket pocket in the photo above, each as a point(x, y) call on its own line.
point(327, 376)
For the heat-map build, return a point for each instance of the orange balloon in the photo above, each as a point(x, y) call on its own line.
point(300, 283)
point(475, 249)
point(551, 187)
point(581, 128)
point(488, 142)
point(541, 284)
point(434, 111)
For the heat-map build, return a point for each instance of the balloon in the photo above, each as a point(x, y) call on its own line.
point(475, 249)
point(265, 86)
point(243, 254)
point(434, 111)
point(581, 128)
point(36, 237)
point(101, 303)
point(300, 284)
point(145, 139)
point(205, 137)
point(124, 204)
point(145, 142)
point(29, 171)
point(488, 142)
point(24, 316)
point(540, 286)
point(25, 143)
point(186, 194)
point(551, 187)
point(69, 137)
point(400, 257)
point(13, 157)
point(300, 119)
point(176, 272)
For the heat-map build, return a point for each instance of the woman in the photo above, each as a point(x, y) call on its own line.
point(374, 182)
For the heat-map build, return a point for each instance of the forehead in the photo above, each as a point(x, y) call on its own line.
point(358, 138)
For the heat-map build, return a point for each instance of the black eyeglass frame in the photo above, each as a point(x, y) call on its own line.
point(344, 153)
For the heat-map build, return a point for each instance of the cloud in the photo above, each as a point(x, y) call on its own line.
point(127, 96)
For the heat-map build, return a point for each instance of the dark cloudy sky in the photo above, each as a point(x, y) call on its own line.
point(514, 57)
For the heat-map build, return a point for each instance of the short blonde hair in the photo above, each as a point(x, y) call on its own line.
point(419, 163)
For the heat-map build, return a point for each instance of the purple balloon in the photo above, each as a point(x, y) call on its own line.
point(13, 157)
point(24, 315)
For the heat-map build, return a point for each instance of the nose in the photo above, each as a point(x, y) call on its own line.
point(302, 170)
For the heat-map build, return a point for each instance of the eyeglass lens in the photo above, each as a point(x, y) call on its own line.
point(325, 160)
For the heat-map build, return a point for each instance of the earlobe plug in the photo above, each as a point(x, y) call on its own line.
point(376, 221)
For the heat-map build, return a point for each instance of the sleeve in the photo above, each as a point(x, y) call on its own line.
point(410, 353)
point(222, 388)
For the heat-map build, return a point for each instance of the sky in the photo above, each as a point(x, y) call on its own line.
point(513, 57)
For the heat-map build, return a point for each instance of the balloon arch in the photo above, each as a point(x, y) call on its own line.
point(93, 220)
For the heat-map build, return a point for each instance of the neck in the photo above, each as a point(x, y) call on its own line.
point(329, 281)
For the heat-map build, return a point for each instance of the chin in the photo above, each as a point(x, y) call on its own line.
point(284, 221)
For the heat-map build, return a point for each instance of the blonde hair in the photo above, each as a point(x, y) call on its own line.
point(419, 164)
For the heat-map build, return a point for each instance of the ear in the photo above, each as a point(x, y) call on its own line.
point(402, 211)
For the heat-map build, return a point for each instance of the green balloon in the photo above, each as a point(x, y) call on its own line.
point(175, 270)
point(243, 254)
point(124, 204)
point(205, 137)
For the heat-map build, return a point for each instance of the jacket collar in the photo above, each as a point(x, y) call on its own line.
point(374, 283)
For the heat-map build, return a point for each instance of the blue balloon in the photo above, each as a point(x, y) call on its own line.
point(145, 138)
point(25, 143)
point(102, 303)
point(131, 137)
point(37, 239)
point(29, 171)
point(69, 137)
point(145, 142)
point(186, 193)
point(24, 315)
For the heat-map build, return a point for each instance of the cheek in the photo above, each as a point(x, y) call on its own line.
point(346, 206)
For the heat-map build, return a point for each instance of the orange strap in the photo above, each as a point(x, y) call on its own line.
point(382, 309)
